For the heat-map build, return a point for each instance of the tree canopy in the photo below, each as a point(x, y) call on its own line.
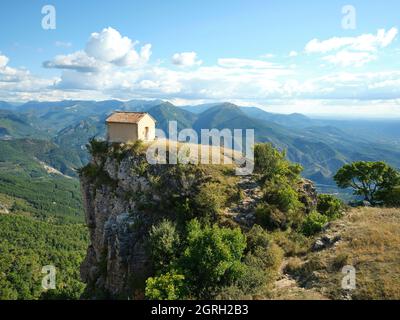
point(372, 180)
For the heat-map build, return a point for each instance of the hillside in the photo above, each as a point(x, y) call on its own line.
point(15, 125)
point(26, 173)
point(294, 120)
point(367, 239)
point(27, 244)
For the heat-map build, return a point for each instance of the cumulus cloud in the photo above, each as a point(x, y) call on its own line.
point(293, 53)
point(103, 50)
point(186, 59)
point(108, 45)
point(352, 51)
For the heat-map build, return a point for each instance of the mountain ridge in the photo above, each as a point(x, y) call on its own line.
point(321, 147)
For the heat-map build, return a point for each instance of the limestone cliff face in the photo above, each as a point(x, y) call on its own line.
point(123, 197)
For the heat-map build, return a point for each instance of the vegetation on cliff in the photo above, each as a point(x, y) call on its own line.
point(192, 250)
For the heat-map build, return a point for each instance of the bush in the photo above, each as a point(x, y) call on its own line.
point(212, 258)
point(97, 147)
point(257, 237)
point(260, 244)
point(165, 287)
point(283, 196)
point(209, 201)
point(270, 163)
point(164, 244)
point(292, 242)
point(314, 223)
point(271, 217)
point(329, 206)
point(262, 262)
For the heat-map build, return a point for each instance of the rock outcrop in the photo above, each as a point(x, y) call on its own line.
point(123, 197)
point(308, 194)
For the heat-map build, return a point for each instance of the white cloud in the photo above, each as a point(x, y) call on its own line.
point(346, 58)
point(11, 75)
point(17, 84)
point(244, 63)
point(293, 53)
point(186, 59)
point(365, 42)
point(103, 50)
point(352, 51)
point(78, 61)
point(3, 61)
point(108, 45)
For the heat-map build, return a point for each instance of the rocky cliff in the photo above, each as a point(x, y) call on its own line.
point(124, 196)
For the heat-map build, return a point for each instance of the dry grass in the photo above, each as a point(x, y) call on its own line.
point(371, 243)
point(199, 153)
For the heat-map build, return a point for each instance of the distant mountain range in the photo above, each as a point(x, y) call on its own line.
point(321, 146)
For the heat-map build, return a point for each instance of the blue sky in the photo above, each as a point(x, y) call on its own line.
point(286, 56)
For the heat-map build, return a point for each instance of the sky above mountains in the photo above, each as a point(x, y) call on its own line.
point(311, 57)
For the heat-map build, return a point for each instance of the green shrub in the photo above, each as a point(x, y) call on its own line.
point(283, 196)
point(164, 244)
point(329, 206)
point(90, 171)
point(271, 217)
point(271, 163)
point(138, 147)
point(262, 263)
point(314, 223)
point(209, 200)
point(292, 242)
point(97, 147)
point(260, 244)
point(165, 287)
point(212, 258)
point(257, 237)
